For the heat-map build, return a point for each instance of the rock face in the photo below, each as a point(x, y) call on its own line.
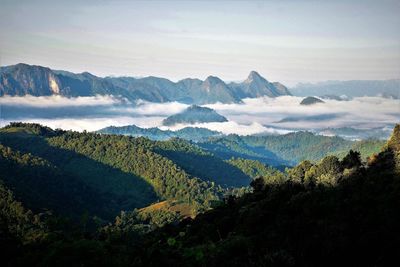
point(194, 114)
point(310, 100)
point(23, 79)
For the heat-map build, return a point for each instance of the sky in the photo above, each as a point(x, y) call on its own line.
point(286, 41)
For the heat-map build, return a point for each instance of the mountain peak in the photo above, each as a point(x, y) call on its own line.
point(255, 77)
point(254, 74)
point(213, 80)
point(194, 114)
point(311, 100)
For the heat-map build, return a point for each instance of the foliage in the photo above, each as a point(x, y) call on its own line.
point(252, 168)
point(331, 212)
point(277, 150)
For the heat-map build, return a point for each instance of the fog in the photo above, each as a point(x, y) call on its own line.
point(257, 115)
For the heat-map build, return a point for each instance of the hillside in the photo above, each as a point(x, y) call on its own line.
point(104, 174)
point(335, 212)
point(277, 150)
point(188, 133)
point(23, 79)
point(288, 149)
point(194, 114)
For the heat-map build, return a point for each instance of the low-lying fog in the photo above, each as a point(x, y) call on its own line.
point(257, 115)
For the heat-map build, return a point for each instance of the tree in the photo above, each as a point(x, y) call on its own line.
point(352, 160)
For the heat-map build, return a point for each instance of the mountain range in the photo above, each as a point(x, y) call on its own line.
point(84, 199)
point(273, 150)
point(353, 88)
point(23, 79)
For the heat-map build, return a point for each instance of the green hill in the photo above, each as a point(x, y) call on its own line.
point(331, 212)
point(104, 174)
point(288, 149)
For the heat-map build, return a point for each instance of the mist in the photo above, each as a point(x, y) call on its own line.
point(253, 116)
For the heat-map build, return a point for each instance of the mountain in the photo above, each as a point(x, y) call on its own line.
point(188, 133)
point(385, 88)
point(72, 173)
point(334, 212)
point(288, 149)
point(194, 114)
point(310, 100)
point(273, 150)
point(357, 134)
point(23, 79)
point(256, 86)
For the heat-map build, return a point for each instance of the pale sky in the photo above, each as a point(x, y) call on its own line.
point(286, 41)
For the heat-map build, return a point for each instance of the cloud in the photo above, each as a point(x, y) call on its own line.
point(166, 109)
point(61, 101)
point(230, 127)
point(358, 112)
point(257, 115)
point(91, 124)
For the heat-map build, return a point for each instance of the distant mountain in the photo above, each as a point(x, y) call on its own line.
point(194, 114)
point(288, 149)
point(255, 86)
point(23, 79)
point(385, 88)
point(310, 100)
point(188, 133)
point(335, 97)
point(356, 134)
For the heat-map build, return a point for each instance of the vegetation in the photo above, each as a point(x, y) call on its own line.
point(73, 173)
point(189, 133)
point(366, 148)
point(331, 212)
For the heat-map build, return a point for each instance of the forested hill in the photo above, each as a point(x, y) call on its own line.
point(331, 213)
point(288, 149)
point(188, 133)
point(276, 150)
point(71, 172)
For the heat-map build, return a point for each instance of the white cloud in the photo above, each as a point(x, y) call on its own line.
point(257, 115)
point(92, 124)
point(361, 111)
point(61, 101)
point(166, 109)
point(230, 127)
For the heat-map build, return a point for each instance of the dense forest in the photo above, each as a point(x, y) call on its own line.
point(79, 199)
point(289, 149)
point(104, 174)
point(276, 150)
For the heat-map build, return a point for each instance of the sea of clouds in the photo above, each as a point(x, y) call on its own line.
point(253, 116)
